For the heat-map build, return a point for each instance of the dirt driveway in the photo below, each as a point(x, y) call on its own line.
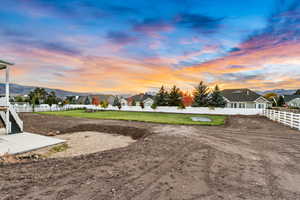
point(248, 158)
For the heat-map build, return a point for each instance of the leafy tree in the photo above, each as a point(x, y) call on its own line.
point(200, 95)
point(133, 103)
point(96, 101)
point(187, 99)
point(175, 97)
point(161, 98)
point(51, 99)
point(297, 92)
point(273, 97)
point(104, 104)
point(19, 99)
point(216, 99)
point(280, 101)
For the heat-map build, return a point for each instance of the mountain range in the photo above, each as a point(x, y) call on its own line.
point(277, 91)
point(16, 89)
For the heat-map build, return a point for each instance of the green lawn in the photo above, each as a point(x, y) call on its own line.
point(142, 116)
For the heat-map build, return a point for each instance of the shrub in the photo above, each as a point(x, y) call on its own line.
point(104, 104)
point(181, 106)
point(154, 106)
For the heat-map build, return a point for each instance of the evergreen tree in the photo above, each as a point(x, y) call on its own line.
point(200, 95)
point(216, 99)
point(280, 101)
point(161, 98)
point(175, 97)
point(117, 102)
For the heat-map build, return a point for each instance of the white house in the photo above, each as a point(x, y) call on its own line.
point(148, 102)
point(292, 100)
point(244, 98)
point(123, 102)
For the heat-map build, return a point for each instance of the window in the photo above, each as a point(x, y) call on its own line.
point(241, 105)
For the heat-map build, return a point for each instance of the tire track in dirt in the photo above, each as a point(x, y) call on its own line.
point(154, 172)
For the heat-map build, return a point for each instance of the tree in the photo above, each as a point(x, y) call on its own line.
point(96, 101)
point(273, 97)
point(19, 99)
point(187, 99)
point(200, 95)
point(104, 104)
point(216, 99)
point(280, 101)
point(175, 97)
point(161, 98)
point(297, 92)
point(71, 99)
point(133, 103)
point(117, 103)
point(51, 99)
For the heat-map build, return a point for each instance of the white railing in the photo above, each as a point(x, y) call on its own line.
point(287, 118)
point(16, 117)
point(166, 109)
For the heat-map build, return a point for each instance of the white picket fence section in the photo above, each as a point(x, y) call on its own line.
point(164, 109)
point(287, 118)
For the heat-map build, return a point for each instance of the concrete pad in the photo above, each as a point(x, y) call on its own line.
point(25, 142)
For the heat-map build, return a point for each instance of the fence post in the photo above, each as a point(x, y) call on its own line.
point(292, 120)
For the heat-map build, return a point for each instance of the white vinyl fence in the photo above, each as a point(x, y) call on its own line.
point(164, 109)
point(287, 118)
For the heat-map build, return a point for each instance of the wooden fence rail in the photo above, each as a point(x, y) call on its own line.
point(287, 118)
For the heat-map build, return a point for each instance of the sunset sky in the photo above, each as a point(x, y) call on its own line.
point(131, 46)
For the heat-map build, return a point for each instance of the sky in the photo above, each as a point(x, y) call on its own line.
point(136, 46)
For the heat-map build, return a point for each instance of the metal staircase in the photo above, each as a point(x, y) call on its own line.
point(8, 115)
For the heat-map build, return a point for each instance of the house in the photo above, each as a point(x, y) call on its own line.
point(97, 99)
point(146, 98)
point(292, 100)
point(148, 102)
point(123, 102)
point(85, 100)
point(244, 98)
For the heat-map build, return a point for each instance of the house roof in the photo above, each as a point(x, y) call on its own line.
point(5, 63)
point(141, 97)
point(243, 94)
point(288, 98)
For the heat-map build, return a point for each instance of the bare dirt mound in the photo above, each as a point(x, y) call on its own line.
point(133, 132)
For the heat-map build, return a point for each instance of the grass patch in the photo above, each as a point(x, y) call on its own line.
point(59, 148)
point(167, 118)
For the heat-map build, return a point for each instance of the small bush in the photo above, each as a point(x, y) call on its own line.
point(154, 106)
point(59, 148)
point(181, 106)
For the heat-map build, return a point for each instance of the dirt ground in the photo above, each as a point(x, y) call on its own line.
point(248, 158)
point(80, 143)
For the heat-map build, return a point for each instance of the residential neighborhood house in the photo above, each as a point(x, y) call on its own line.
point(244, 98)
point(292, 100)
point(146, 98)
